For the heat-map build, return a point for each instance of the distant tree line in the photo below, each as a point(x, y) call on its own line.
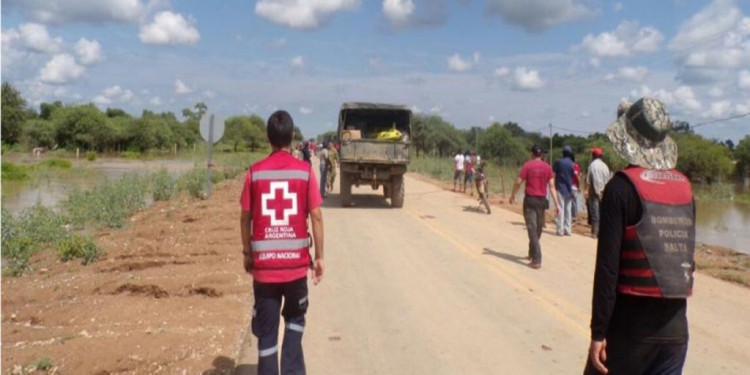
point(86, 127)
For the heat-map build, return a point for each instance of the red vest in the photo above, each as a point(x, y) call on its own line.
point(280, 240)
point(657, 253)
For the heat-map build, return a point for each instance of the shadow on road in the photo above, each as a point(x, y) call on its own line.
point(475, 209)
point(509, 257)
point(226, 366)
point(333, 201)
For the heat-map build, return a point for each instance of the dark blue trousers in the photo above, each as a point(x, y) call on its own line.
point(630, 357)
point(265, 326)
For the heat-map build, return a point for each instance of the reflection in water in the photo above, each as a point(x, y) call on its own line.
point(724, 223)
point(51, 189)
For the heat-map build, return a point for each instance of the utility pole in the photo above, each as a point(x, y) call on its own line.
point(550, 143)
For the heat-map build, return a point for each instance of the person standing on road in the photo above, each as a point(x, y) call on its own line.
point(538, 176)
point(564, 171)
point(323, 159)
point(458, 169)
point(644, 261)
point(333, 161)
point(596, 178)
point(279, 194)
point(576, 188)
point(306, 153)
point(468, 172)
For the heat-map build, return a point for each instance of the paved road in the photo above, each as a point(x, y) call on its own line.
point(440, 288)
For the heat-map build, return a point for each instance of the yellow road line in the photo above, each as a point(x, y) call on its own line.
point(541, 296)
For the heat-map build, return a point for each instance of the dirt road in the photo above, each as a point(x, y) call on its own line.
point(437, 287)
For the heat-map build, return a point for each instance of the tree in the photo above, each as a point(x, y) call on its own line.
point(499, 145)
point(46, 109)
point(244, 130)
point(38, 133)
point(81, 126)
point(200, 110)
point(327, 136)
point(298, 137)
point(742, 155)
point(702, 159)
point(13, 113)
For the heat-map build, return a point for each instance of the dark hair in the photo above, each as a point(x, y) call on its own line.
point(536, 150)
point(280, 129)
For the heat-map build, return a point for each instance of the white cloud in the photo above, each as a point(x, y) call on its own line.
point(685, 97)
point(298, 62)
point(155, 101)
point(398, 11)
point(33, 37)
point(169, 28)
point(627, 39)
point(305, 110)
point(476, 57)
point(635, 74)
point(181, 88)
point(126, 96)
point(90, 11)
point(718, 109)
point(61, 69)
point(102, 100)
point(112, 91)
point(302, 14)
point(712, 44)
point(744, 80)
point(458, 64)
point(89, 51)
point(617, 6)
point(526, 79)
point(279, 43)
point(716, 92)
point(537, 15)
point(209, 94)
point(501, 72)
point(375, 63)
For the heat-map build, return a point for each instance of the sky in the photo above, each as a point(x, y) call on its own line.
point(474, 62)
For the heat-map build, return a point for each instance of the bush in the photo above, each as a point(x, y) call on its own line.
point(110, 204)
point(43, 364)
point(56, 163)
point(164, 186)
point(81, 247)
point(193, 182)
point(91, 155)
point(32, 231)
point(12, 172)
point(131, 155)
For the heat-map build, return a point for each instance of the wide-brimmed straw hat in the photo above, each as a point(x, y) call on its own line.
point(640, 136)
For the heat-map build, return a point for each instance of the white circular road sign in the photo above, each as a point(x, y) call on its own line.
point(218, 127)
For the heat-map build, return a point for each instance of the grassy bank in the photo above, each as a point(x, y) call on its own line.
point(66, 231)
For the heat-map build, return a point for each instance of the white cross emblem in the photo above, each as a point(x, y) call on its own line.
point(286, 196)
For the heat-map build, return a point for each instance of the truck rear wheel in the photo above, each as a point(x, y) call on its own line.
point(397, 192)
point(346, 190)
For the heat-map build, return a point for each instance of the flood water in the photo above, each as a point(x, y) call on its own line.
point(52, 189)
point(722, 223)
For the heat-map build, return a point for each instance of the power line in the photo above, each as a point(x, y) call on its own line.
point(572, 130)
point(719, 120)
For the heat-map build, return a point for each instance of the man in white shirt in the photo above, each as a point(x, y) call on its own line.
point(597, 177)
point(458, 169)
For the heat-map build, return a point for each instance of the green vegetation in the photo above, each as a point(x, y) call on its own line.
point(91, 155)
point(81, 247)
point(43, 364)
point(109, 204)
point(500, 178)
point(13, 113)
point(55, 163)
point(13, 172)
point(164, 186)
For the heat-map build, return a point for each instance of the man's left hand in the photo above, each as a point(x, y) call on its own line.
point(248, 263)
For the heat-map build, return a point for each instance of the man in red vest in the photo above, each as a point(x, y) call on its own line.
point(644, 261)
point(279, 194)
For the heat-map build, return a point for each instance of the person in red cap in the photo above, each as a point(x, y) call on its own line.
point(597, 177)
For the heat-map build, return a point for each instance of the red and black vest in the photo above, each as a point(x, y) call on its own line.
point(657, 253)
point(280, 241)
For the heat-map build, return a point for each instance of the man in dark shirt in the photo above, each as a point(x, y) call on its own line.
point(644, 332)
point(564, 169)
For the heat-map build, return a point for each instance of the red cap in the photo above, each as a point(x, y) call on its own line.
point(596, 151)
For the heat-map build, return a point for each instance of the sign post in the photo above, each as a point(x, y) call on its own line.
point(212, 129)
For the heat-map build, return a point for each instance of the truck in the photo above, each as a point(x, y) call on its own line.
point(375, 140)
